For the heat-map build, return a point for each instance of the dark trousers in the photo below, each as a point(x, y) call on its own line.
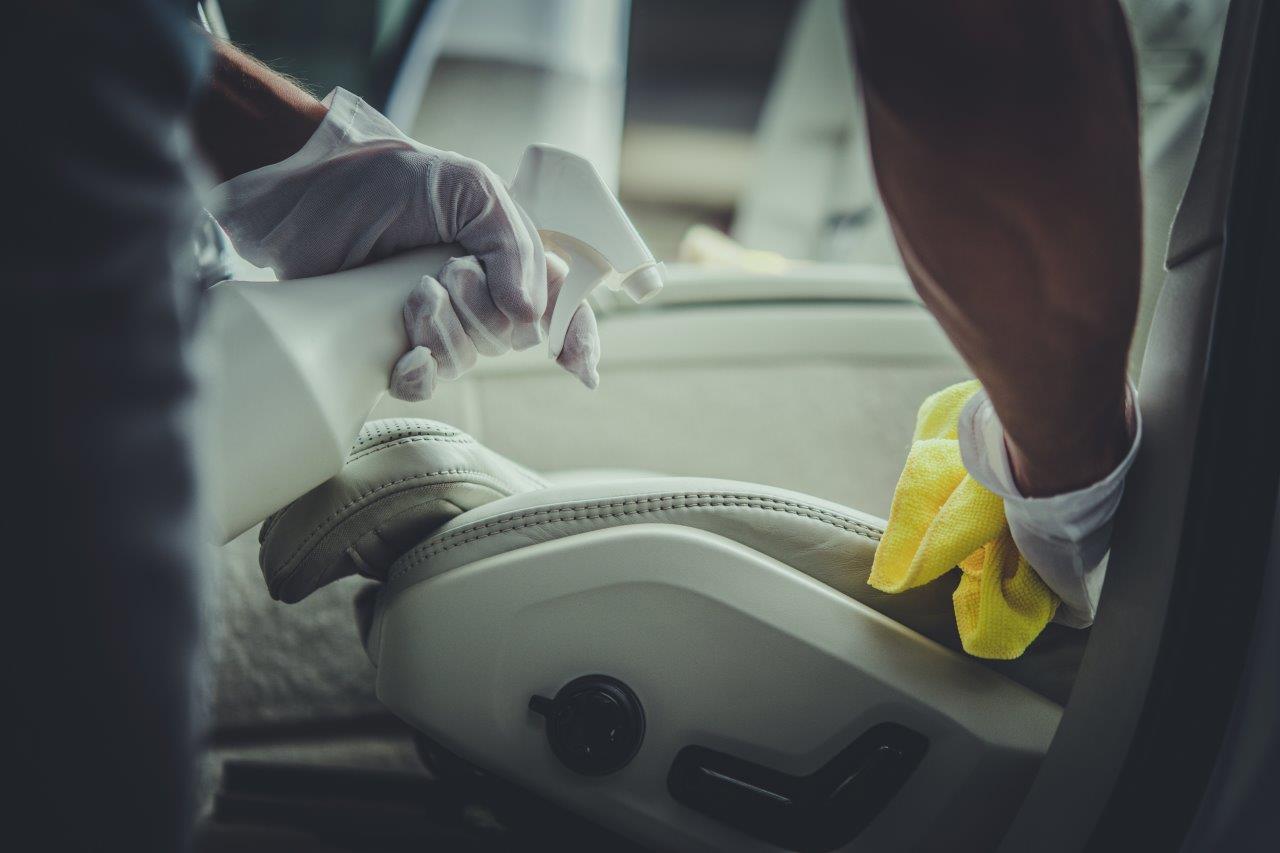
point(101, 570)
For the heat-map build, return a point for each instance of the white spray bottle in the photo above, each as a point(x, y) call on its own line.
point(296, 366)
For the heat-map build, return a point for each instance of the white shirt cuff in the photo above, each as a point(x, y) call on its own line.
point(1064, 537)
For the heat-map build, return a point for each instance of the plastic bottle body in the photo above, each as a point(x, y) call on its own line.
point(294, 369)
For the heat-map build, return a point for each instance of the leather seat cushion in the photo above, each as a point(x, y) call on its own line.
point(404, 478)
point(418, 499)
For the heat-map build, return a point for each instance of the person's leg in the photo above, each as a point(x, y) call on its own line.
point(103, 590)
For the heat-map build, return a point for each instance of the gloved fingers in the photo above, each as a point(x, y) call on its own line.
point(580, 353)
point(413, 379)
point(430, 321)
point(502, 236)
point(489, 329)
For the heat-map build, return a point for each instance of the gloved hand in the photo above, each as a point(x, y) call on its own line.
point(360, 190)
point(453, 320)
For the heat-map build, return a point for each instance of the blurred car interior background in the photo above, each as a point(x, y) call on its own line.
point(788, 348)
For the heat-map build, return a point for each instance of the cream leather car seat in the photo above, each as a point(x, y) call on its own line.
point(700, 665)
point(427, 498)
point(735, 615)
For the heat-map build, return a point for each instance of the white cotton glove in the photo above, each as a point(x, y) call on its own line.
point(1064, 537)
point(360, 190)
point(453, 320)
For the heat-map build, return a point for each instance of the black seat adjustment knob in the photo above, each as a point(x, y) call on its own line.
point(594, 725)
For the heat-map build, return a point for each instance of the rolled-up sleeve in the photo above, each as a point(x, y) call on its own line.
point(1064, 537)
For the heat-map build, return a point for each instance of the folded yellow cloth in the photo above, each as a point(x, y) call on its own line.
point(941, 518)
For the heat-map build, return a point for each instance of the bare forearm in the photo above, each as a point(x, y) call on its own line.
point(250, 116)
point(1005, 142)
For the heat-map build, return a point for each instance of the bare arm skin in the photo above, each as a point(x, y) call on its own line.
point(1005, 141)
point(250, 116)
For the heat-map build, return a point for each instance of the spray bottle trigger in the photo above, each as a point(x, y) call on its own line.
point(579, 218)
point(587, 270)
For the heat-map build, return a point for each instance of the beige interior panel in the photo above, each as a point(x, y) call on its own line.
point(819, 398)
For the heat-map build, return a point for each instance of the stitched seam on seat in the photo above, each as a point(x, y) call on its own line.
point(373, 437)
point(369, 451)
point(375, 431)
point(386, 426)
point(536, 481)
point(315, 581)
point(287, 566)
point(632, 506)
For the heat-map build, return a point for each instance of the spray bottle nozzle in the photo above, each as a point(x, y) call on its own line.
point(579, 218)
point(644, 283)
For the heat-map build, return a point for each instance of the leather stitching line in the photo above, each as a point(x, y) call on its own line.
point(369, 451)
point(376, 430)
point(667, 502)
point(458, 438)
point(462, 438)
point(309, 540)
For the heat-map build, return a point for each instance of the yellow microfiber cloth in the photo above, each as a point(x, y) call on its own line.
point(941, 519)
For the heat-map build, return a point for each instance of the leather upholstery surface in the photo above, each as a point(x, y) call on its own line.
point(403, 479)
point(419, 498)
